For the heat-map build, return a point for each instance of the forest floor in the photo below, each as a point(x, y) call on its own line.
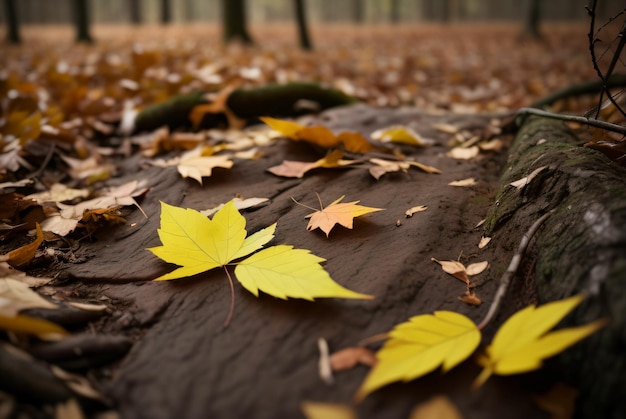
point(163, 350)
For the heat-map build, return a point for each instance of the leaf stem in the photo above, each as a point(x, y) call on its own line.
point(232, 298)
point(305, 206)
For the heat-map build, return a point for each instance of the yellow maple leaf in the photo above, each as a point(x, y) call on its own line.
point(419, 346)
point(197, 244)
point(337, 213)
point(522, 342)
point(319, 135)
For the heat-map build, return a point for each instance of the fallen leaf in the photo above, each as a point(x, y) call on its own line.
point(470, 298)
point(421, 345)
point(20, 323)
point(8, 272)
point(313, 410)
point(464, 182)
point(297, 169)
point(524, 341)
point(348, 358)
point(319, 135)
point(445, 128)
point(240, 204)
point(87, 306)
point(77, 383)
point(325, 370)
point(70, 409)
point(16, 296)
point(198, 244)
point(519, 184)
point(24, 254)
point(400, 134)
point(337, 213)
point(454, 268)
point(492, 145)
point(413, 210)
point(461, 153)
point(439, 407)
point(58, 193)
point(476, 268)
point(484, 241)
point(386, 166)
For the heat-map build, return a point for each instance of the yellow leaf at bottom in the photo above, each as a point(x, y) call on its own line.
point(419, 346)
point(282, 271)
point(522, 342)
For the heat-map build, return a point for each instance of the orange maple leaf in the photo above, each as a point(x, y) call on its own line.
point(337, 213)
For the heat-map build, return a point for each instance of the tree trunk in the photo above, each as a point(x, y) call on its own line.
point(81, 17)
point(135, 11)
point(12, 22)
point(303, 31)
point(166, 14)
point(579, 249)
point(357, 11)
point(234, 21)
point(394, 11)
point(533, 20)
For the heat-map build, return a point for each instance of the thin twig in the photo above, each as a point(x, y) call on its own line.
point(512, 269)
point(620, 129)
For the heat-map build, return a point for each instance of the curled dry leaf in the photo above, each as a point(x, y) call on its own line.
point(470, 298)
point(445, 128)
point(59, 193)
point(16, 296)
point(470, 181)
point(454, 268)
point(386, 166)
point(519, 184)
point(348, 358)
point(413, 210)
point(484, 241)
point(493, 145)
point(476, 268)
point(240, 204)
point(24, 254)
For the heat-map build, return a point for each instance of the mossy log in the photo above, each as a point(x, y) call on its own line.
point(581, 248)
point(279, 100)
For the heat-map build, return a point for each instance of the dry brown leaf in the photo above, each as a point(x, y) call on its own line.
point(386, 166)
point(24, 254)
point(470, 181)
point(413, 210)
point(445, 128)
point(439, 407)
point(493, 145)
point(348, 358)
point(470, 298)
point(78, 384)
point(454, 268)
point(297, 169)
point(87, 306)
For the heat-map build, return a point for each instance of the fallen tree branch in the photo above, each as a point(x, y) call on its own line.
point(588, 88)
point(512, 269)
point(620, 129)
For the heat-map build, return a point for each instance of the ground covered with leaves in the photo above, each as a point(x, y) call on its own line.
point(381, 202)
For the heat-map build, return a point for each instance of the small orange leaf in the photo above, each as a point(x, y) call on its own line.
point(26, 253)
point(348, 358)
point(297, 169)
point(337, 213)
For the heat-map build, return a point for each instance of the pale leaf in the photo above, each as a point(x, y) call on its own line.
point(476, 268)
point(16, 296)
point(240, 204)
point(413, 210)
point(337, 213)
point(484, 241)
point(463, 153)
point(519, 184)
point(463, 182)
point(59, 193)
point(454, 268)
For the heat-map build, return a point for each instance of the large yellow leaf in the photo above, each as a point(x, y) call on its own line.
point(337, 213)
point(282, 271)
point(522, 342)
point(197, 243)
point(419, 346)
